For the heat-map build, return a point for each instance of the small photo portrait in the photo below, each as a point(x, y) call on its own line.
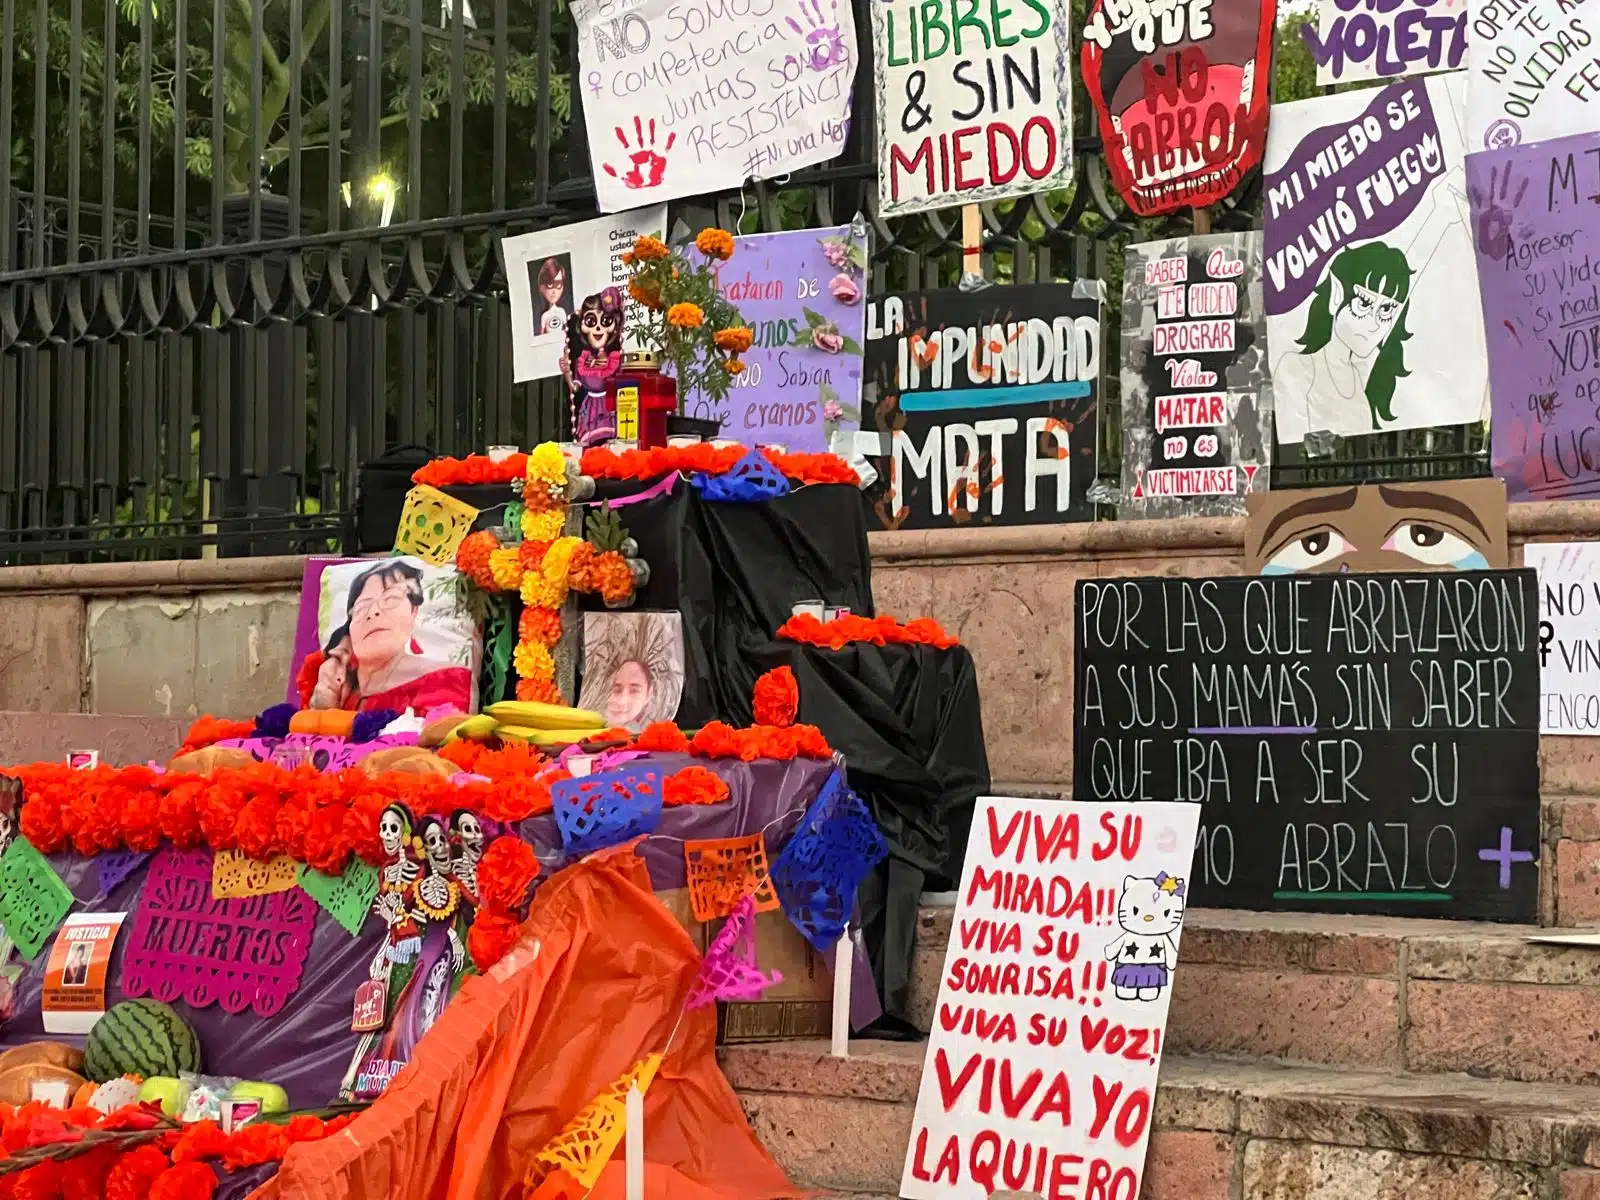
point(550, 282)
point(632, 667)
point(75, 971)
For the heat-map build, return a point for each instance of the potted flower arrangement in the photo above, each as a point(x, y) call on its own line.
point(697, 334)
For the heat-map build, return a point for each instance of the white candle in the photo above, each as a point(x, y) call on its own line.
point(844, 961)
point(634, 1146)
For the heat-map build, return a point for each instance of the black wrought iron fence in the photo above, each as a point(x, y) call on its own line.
point(250, 244)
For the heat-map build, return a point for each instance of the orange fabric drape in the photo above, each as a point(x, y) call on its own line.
point(595, 983)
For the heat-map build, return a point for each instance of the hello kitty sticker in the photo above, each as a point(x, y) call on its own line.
point(1041, 1070)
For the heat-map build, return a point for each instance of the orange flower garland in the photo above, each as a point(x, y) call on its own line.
point(601, 463)
point(777, 697)
point(880, 631)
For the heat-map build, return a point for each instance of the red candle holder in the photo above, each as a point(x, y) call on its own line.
point(640, 398)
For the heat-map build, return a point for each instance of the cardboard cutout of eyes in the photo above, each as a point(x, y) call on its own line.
point(1180, 91)
point(1447, 525)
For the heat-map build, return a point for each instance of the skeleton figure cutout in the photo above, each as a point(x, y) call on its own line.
point(469, 839)
point(437, 895)
point(10, 809)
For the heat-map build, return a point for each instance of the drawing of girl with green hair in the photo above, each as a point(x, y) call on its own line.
point(1352, 351)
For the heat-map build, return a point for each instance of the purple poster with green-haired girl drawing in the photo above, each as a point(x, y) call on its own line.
point(802, 295)
point(1371, 295)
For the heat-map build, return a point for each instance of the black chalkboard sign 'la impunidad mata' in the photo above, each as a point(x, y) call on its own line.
point(1358, 743)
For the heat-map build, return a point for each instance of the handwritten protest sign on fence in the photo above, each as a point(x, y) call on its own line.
point(1180, 90)
point(1196, 436)
point(971, 106)
point(1533, 72)
point(1385, 39)
point(1569, 635)
point(686, 97)
point(1041, 1069)
point(1539, 270)
point(1373, 320)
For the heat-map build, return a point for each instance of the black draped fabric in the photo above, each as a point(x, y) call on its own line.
point(908, 722)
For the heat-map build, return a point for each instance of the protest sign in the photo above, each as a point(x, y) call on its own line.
point(551, 272)
point(1180, 90)
point(1356, 743)
point(802, 294)
point(1196, 427)
point(1569, 635)
point(1356, 40)
point(1373, 321)
point(1533, 71)
point(971, 106)
point(1538, 255)
point(72, 996)
point(984, 405)
point(687, 97)
point(1041, 1068)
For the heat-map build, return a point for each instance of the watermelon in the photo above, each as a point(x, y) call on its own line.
point(140, 1037)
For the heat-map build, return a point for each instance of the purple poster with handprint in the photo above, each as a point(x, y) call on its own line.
point(1537, 232)
point(801, 294)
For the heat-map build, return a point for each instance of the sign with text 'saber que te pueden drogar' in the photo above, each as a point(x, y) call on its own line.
point(974, 102)
point(1196, 423)
point(984, 405)
point(1356, 743)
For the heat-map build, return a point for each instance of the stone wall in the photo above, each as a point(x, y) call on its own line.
point(214, 636)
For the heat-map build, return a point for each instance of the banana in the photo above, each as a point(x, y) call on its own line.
point(476, 728)
point(533, 714)
point(540, 737)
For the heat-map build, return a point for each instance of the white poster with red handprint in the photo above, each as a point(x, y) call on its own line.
point(686, 97)
point(554, 277)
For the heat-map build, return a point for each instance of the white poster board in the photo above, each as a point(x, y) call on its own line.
point(588, 257)
point(980, 114)
point(1371, 290)
point(1531, 71)
point(1569, 635)
point(687, 97)
point(1046, 1041)
point(1356, 42)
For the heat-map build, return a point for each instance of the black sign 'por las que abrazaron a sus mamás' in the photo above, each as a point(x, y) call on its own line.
point(1358, 743)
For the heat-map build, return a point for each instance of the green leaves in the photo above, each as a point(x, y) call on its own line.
point(605, 529)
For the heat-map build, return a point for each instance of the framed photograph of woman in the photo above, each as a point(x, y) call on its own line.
point(394, 635)
point(632, 667)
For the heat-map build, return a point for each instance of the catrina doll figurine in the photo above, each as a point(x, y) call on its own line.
point(592, 357)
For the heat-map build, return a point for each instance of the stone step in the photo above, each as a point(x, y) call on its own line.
point(1373, 992)
point(27, 737)
point(1222, 1129)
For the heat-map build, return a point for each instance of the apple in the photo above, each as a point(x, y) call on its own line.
point(172, 1094)
point(273, 1098)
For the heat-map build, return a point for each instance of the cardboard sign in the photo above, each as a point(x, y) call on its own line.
point(1380, 39)
point(985, 405)
point(802, 294)
point(1373, 321)
point(73, 994)
point(690, 97)
point(1442, 525)
point(1196, 425)
point(1357, 743)
point(32, 897)
point(1569, 635)
point(1041, 1068)
point(550, 272)
point(971, 106)
point(1540, 279)
point(1532, 73)
point(1180, 90)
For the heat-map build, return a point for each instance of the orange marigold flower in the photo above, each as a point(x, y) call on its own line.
point(539, 625)
point(736, 340)
point(472, 557)
point(627, 258)
point(543, 691)
point(686, 316)
point(715, 243)
point(613, 578)
point(646, 294)
point(648, 249)
point(735, 366)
